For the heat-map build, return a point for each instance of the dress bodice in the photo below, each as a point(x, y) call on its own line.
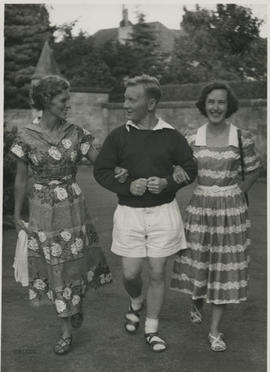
point(55, 159)
point(221, 166)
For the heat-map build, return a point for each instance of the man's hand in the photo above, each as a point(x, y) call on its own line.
point(155, 184)
point(121, 174)
point(138, 187)
point(180, 176)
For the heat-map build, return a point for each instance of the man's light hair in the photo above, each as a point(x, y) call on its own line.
point(150, 83)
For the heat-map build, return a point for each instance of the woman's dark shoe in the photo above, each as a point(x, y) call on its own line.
point(63, 345)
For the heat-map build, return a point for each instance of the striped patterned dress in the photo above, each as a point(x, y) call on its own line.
point(215, 264)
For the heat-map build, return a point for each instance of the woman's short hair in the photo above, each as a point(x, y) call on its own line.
point(46, 89)
point(232, 100)
point(150, 83)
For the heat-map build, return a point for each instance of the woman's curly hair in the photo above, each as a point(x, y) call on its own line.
point(46, 89)
point(232, 100)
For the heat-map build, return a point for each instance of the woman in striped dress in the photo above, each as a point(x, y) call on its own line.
point(214, 267)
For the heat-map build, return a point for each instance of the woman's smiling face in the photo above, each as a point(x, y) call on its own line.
point(59, 105)
point(216, 106)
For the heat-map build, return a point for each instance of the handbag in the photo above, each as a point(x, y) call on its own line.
point(242, 160)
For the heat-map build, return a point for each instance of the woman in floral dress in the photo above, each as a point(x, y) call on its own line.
point(214, 267)
point(64, 256)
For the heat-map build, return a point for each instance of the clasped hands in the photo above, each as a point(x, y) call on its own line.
point(138, 187)
point(153, 184)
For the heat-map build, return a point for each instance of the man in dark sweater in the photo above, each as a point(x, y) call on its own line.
point(147, 220)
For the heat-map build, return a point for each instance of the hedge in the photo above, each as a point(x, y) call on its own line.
point(190, 92)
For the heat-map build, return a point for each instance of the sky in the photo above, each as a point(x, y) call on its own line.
point(92, 17)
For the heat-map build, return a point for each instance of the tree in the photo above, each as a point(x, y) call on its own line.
point(26, 29)
point(140, 55)
point(146, 50)
point(235, 28)
point(221, 44)
point(80, 62)
point(120, 60)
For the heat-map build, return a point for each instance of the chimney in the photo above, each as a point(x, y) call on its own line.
point(125, 15)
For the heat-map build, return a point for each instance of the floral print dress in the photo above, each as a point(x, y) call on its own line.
point(64, 256)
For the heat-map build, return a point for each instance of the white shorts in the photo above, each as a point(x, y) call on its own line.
point(148, 232)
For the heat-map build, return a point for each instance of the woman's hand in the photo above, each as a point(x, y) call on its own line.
point(250, 179)
point(19, 225)
point(180, 175)
point(121, 174)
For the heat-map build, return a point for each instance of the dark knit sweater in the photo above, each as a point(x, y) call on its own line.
point(144, 153)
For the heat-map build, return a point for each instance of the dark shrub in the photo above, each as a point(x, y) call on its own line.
point(9, 171)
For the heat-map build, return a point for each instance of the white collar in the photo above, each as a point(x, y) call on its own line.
point(161, 124)
point(201, 136)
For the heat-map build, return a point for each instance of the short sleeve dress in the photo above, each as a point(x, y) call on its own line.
point(64, 256)
point(217, 226)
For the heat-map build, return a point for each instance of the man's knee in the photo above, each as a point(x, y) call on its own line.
point(157, 269)
point(131, 275)
point(131, 268)
point(157, 274)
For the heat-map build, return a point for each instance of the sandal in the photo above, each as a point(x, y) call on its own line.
point(76, 320)
point(217, 343)
point(63, 345)
point(195, 315)
point(154, 340)
point(132, 319)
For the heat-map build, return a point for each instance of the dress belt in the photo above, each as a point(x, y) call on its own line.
point(215, 190)
point(54, 181)
point(218, 188)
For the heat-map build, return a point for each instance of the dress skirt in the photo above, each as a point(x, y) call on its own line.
point(64, 255)
point(214, 267)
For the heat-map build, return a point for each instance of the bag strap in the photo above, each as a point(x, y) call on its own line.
point(242, 160)
point(241, 154)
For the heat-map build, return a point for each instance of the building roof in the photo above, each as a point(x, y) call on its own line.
point(103, 36)
point(164, 35)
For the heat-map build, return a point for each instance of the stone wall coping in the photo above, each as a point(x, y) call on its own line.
point(90, 90)
point(188, 104)
point(169, 104)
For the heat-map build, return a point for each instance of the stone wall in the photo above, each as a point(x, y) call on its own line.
point(252, 115)
point(93, 112)
point(86, 111)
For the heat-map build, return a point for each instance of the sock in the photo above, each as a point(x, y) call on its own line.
point(136, 303)
point(151, 325)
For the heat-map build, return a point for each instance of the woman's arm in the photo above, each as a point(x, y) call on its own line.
point(251, 162)
point(92, 154)
point(250, 179)
point(20, 188)
point(120, 174)
point(180, 176)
